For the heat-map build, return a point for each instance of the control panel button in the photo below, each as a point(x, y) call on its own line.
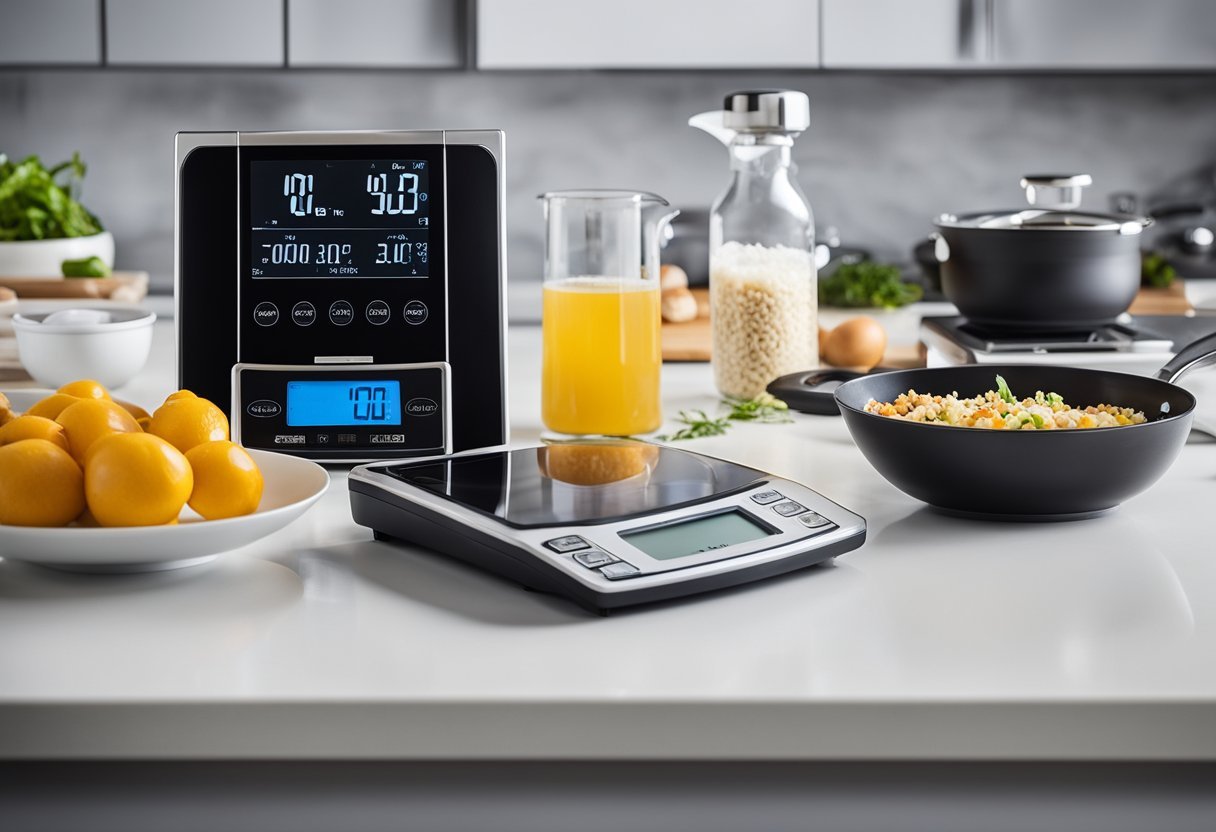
point(303, 313)
point(594, 558)
point(618, 570)
point(569, 543)
point(378, 313)
point(814, 520)
point(265, 314)
point(341, 313)
point(264, 408)
point(348, 438)
point(766, 497)
point(789, 508)
point(415, 312)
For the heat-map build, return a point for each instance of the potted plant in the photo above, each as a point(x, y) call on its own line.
point(42, 225)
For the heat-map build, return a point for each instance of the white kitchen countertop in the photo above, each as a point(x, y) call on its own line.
point(941, 638)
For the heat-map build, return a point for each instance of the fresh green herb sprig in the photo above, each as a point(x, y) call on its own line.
point(1002, 390)
point(867, 283)
point(1156, 271)
point(765, 409)
point(33, 206)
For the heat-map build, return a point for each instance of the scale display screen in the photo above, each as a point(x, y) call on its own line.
point(343, 403)
point(339, 218)
point(701, 534)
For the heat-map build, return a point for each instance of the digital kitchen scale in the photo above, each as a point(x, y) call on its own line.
point(341, 294)
point(607, 523)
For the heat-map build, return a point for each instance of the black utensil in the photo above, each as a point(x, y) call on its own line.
point(813, 391)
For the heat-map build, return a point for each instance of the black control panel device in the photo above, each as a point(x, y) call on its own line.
point(341, 295)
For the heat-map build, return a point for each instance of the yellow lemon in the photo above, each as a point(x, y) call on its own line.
point(227, 482)
point(88, 420)
point(52, 405)
point(189, 421)
point(85, 388)
point(136, 479)
point(180, 394)
point(135, 410)
point(7, 414)
point(40, 484)
point(33, 427)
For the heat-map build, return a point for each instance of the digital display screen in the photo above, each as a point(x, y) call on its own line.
point(692, 537)
point(314, 403)
point(345, 218)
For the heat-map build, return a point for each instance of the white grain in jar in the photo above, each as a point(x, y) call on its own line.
point(763, 308)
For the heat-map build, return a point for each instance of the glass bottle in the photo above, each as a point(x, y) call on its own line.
point(762, 276)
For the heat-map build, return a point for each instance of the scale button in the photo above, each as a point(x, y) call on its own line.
point(620, 569)
point(594, 558)
point(377, 312)
point(789, 508)
point(303, 313)
point(265, 314)
point(348, 438)
point(569, 543)
point(341, 313)
point(415, 312)
point(766, 497)
point(264, 408)
point(814, 520)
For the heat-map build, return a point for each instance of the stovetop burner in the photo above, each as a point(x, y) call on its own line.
point(1112, 337)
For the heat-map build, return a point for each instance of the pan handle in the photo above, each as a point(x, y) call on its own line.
point(807, 392)
point(1193, 356)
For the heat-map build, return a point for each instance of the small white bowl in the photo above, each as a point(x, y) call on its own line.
point(44, 258)
point(111, 351)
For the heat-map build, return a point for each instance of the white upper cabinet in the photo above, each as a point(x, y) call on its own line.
point(640, 34)
point(51, 32)
point(194, 33)
point(1104, 34)
point(899, 34)
point(374, 33)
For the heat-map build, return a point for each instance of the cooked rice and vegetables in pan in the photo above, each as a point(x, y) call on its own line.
point(999, 409)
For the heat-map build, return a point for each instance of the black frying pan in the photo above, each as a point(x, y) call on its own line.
point(1027, 475)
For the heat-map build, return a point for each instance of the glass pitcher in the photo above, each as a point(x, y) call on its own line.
point(602, 354)
point(762, 277)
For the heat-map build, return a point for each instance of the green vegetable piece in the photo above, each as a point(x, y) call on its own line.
point(1155, 271)
point(34, 206)
point(867, 284)
point(85, 267)
point(1002, 390)
point(1037, 419)
point(1054, 398)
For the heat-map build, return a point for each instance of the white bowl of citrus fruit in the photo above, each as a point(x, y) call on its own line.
point(90, 483)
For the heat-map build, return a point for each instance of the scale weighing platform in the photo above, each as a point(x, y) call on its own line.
point(608, 523)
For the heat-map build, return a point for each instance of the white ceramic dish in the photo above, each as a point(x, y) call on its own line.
point(112, 352)
point(44, 258)
point(292, 486)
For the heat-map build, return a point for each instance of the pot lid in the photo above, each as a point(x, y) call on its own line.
point(1055, 198)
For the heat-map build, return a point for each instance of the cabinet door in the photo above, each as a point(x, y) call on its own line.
point(1105, 34)
point(51, 32)
point(375, 33)
point(632, 34)
point(194, 32)
point(895, 34)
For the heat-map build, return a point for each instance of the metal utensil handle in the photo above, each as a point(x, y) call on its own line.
point(1055, 191)
point(1193, 356)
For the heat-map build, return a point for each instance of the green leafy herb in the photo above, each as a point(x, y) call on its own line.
point(1002, 390)
point(34, 206)
point(699, 425)
point(765, 408)
point(1156, 271)
point(85, 267)
point(867, 284)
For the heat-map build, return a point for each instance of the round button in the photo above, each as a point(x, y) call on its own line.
point(266, 314)
point(304, 313)
point(341, 313)
point(377, 312)
point(415, 312)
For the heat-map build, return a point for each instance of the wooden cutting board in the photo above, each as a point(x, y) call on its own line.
point(128, 287)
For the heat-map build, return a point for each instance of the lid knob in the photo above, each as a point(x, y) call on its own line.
point(764, 111)
point(1056, 191)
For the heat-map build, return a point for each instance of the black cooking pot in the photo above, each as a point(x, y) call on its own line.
point(1046, 267)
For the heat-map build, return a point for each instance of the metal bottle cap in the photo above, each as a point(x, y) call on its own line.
point(765, 111)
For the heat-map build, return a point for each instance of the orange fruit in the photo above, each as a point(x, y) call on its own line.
point(88, 420)
point(227, 482)
point(7, 414)
point(136, 479)
point(180, 394)
point(52, 405)
point(33, 427)
point(40, 484)
point(85, 388)
point(143, 423)
point(134, 409)
point(189, 421)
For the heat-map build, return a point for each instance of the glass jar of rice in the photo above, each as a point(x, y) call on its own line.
point(762, 280)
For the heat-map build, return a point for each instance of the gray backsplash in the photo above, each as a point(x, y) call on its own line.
point(885, 152)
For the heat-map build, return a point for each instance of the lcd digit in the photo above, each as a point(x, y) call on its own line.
point(343, 403)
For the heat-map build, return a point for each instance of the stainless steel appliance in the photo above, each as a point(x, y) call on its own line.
point(341, 294)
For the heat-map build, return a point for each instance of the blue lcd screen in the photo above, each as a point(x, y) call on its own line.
point(313, 403)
